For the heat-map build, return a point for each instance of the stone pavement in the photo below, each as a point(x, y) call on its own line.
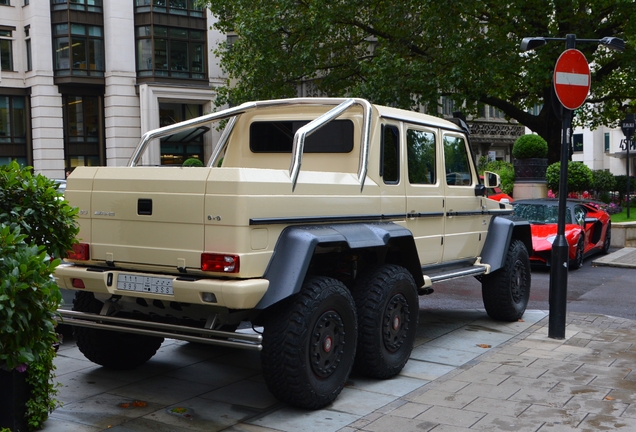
point(466, 373)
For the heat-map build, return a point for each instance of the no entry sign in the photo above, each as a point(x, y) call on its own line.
point(572, 78)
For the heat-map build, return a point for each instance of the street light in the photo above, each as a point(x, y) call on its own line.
point(559, 261)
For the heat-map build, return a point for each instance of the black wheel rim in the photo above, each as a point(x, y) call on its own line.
point(395, 324)
point(579, 254)
point(608, 239)
point(327, 344)
point(518, 282)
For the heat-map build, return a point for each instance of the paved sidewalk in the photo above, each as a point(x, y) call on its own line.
point(466, 373)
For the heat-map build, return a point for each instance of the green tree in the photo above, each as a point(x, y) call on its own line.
point(411, 52)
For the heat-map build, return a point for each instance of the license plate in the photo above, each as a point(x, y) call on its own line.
point(149, 284)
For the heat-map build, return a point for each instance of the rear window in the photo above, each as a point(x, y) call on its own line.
point(278, 136)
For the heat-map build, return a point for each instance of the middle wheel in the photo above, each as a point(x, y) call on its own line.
point(388, 311)
point(309, 344)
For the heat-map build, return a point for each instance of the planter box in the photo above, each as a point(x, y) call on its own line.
point(530, 169)
point(14, 393)
point(624, 234)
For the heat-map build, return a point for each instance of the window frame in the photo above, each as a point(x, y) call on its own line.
point(6, 55)
point(163, 38)
point(88, 42)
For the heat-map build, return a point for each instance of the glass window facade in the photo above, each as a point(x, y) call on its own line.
point(82, 130)
point(179, 147)
point(79, 50)
point(13, 129)
point(6, 50)
point(82, 5)
point(170, 52)
point(174, 7)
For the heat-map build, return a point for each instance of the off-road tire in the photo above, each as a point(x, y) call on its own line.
point(608, 239)
point(113, 350)
point(506, 291)
point(388, 310)
point(309, 344)
point(577, 262)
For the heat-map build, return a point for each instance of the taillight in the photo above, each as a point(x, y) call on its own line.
point(80, 252)
point(77, 283)
point(220, 263)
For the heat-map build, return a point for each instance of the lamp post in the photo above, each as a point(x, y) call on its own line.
point(628, 130)
point(559, 261)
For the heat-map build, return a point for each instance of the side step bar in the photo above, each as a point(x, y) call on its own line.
point(456, 273)
point(211, 337)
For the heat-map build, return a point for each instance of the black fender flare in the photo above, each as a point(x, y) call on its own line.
point(501, 232)
point(296, 245)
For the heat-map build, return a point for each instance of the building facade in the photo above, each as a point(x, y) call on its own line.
point(82, 80)
point(603, 149)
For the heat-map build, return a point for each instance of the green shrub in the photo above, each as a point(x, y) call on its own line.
point(530, 146)
point(580, 177)
point(192, 162)
point(621, 187)
point(505, 170)
point(34, 204)
point(36, 223)
point(603, 182)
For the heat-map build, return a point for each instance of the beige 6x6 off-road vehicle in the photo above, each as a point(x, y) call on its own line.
point(319, 221)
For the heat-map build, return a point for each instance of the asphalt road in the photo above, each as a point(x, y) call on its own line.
point(604, 290)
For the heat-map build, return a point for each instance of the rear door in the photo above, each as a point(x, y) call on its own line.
point(465, 226)
point(424, 192)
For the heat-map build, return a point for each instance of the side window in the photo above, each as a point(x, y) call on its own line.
point(390, 168)
point(456, 161)
point(420, 147)
point(579, 215)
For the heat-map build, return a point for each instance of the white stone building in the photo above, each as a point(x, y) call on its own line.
point(82, 80)
point(603, 149)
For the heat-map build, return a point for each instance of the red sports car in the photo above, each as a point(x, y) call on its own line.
point(588, 230)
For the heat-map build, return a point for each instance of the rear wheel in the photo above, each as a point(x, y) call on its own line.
point(506, 291)
point(309, 344)
point(111, 349)
point(388, 310)
point(577, 262)
point(608, 239)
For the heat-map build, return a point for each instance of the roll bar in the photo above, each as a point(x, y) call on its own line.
point(234, 113)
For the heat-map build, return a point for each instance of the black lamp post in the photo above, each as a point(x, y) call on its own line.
point(559, 261)
point(628, 130)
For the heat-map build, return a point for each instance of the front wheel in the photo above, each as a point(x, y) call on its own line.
point(507, 290)
point(388, 310)
point(309, 344)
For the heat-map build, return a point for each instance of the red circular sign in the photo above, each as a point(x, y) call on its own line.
point(572, 78)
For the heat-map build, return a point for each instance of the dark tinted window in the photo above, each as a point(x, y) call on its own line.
point(278, 136)
point(390, 154)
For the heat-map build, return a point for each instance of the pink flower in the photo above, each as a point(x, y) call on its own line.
point(551, 194)
point(21, 367)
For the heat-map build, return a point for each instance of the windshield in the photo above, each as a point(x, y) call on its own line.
point(540, 213)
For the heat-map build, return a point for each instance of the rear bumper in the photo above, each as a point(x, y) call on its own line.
point(231, 294)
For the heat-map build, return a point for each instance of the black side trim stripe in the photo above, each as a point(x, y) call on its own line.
point(424, 215)
point(367, 218)
point(466, 213)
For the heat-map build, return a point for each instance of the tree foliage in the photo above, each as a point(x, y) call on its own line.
point(411, 52)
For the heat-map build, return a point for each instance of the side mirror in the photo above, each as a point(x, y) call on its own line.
point(491, 179)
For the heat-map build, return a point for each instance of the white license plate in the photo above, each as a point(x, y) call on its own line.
point(154, 285)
